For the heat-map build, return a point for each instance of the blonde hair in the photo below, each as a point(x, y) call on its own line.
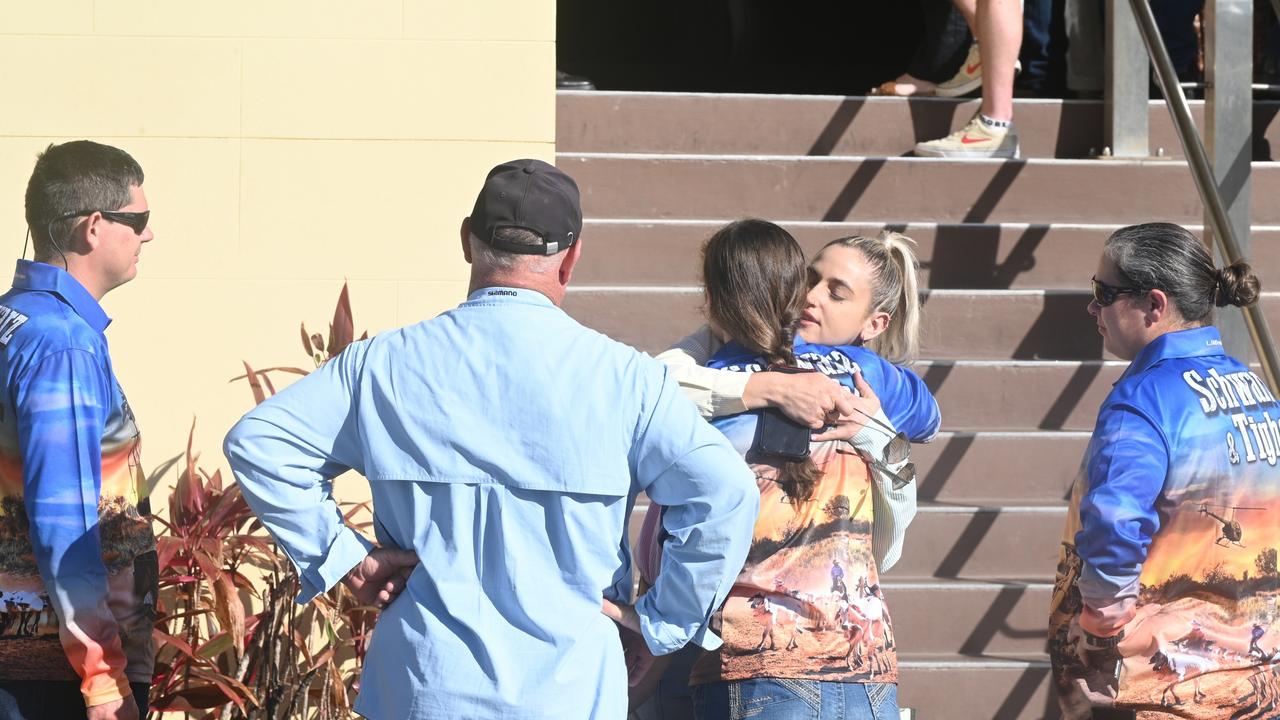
point(895, 289)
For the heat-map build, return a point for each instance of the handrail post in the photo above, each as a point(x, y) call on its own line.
point(1202, 174)
point(1127, 84)
point(1228, 133)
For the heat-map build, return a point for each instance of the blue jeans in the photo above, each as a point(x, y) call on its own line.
point(786, 699)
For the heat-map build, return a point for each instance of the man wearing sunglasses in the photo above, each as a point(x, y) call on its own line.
point(69, 449)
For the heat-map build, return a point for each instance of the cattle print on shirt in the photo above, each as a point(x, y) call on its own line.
point(808, 603)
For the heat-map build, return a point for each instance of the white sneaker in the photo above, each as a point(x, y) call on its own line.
point(975, 140)
point(969, 77)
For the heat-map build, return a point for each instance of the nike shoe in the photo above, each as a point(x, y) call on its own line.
point(969, 77)
point(977, 139)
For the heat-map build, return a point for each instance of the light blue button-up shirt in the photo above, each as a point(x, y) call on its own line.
point(505, 444)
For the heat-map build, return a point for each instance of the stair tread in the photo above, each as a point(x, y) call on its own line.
point(840, 125)
point(923, 189)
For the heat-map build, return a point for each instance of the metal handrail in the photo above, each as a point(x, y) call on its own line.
point(1223, 232)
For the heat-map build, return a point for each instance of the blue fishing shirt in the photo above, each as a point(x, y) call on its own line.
point(76, 548)
point(1175, 518)
point(1183, 428)
point(505, 444)
point(904, 397)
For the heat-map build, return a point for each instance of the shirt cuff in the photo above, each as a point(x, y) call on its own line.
point(1109, 620)
point(664, 638)
point(1099, 590)
point(873, 438)
point(726, 395)
point(105, 690)
point(347, 550)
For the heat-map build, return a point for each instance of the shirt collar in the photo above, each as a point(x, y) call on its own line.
point(1196, 342)
point(499, 294)
point(31, 275)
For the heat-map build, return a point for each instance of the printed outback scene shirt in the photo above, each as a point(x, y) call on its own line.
point(1176, 508)
point(77, 554)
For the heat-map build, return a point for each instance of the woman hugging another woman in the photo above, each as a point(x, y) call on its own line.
point(834, 505)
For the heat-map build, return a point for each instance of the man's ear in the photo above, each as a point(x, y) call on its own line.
point(465, 233)
point(569, 262)
point(85, 237)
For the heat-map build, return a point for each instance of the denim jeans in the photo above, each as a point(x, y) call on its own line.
point(673, 699)
point(944, 42)
point(1037, 26)
point(786, 699)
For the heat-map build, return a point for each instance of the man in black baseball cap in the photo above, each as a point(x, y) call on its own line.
point(505, 445)
point(529, 196)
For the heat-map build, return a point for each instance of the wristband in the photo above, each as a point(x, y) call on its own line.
point(1097, 642)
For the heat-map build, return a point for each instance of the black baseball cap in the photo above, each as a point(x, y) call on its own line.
point(530, 195)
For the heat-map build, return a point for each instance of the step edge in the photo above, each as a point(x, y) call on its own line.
point(717, 222)
point(1018, 102)
point(854, 159)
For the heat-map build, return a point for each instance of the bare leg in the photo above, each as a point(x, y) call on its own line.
point(999, 24)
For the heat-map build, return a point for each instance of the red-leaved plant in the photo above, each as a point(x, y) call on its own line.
point(216, 657)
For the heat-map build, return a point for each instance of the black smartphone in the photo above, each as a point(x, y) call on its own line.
point(780, 436)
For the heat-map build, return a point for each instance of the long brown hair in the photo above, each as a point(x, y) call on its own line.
point(755, 278)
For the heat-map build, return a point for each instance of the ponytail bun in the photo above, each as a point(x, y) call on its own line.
point(1237, 285)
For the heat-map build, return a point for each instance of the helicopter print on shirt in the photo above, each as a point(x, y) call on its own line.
point(1232, 532)
point(1185, 457)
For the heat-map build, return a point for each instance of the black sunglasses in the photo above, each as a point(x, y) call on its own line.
point(1105, 294)
point(137, 221)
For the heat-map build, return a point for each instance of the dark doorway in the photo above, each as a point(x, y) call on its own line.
point(737, 45)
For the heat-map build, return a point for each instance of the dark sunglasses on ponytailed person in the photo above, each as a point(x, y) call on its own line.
point(137, 221)
point(1105, 294)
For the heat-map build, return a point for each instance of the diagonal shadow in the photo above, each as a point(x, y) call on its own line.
point(996, 622)
point(1263, 115)
point(966, 257)
point(1063, 330)
point(1021, 257)
point(839, 124)
point(1079, 130)
point(1067, 401)
point(1020, 696)
point(980, 523)
point(995, 190)
point(937, 374)
point(930, 487)
point(858, 184)
point(1237, 175)
point(931, 119)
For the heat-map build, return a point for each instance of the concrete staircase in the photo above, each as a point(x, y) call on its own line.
point(1007, 249)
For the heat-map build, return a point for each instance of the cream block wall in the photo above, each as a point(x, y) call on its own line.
point(289, 145)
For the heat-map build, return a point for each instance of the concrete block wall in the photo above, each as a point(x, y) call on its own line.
point(288, 145)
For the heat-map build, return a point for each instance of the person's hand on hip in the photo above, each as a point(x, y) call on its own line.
point(380, 577)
